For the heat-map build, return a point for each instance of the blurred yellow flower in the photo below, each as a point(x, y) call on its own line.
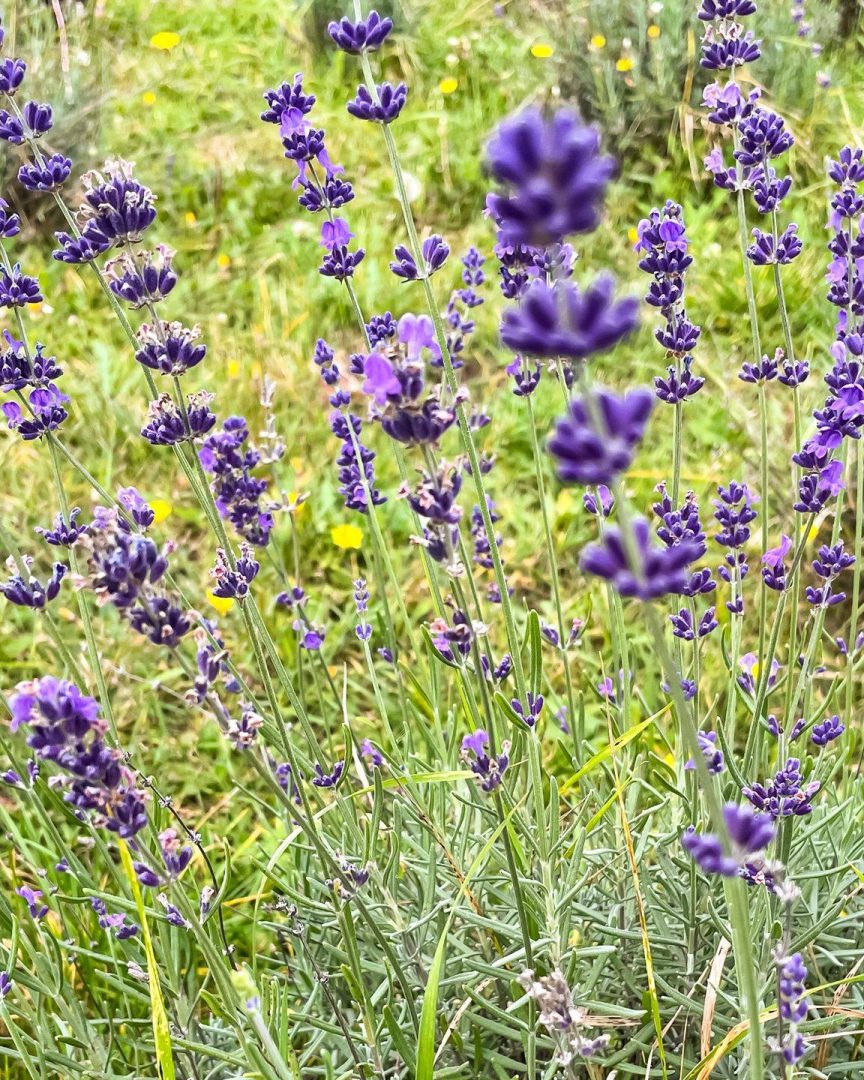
point(165, 39)
point(223, 261)
point(598, 42)
point(297, 503)
point(624, 63)
point(542, 51)
point(653, 31)
point(814, 531)
point(161, 509)
point(190, 219)
point(347, 536)
point(148, 97)
point(233, 369)
point(222, 604)
point(448, 85)
point(632, 235)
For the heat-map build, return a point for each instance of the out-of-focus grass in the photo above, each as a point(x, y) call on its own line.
point(248, 254)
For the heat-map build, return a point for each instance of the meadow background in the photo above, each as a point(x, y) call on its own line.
point(176, 88)
point(187, 115)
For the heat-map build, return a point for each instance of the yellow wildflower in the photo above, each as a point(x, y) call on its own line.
point(653, 32)
point(166, 40)
point(449, 85)
point(542, 51)
point(624, 63)
point(598, 42)
point(148, 97)
point(346, 536)
point(161, 509)
point(222, 604)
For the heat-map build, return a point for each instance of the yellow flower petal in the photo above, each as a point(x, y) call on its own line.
point(814, 532)
point(347, 536)
point(191, 219)
point(223, 261)
point(624, 63)
point(148, 97)
point(222, 604)
point(542, 51)
point(161, 509)
point(448, 85)
point(165, 39)
point(299, 507)
point(653, 31)
point(598, 42)
point(632, 235)
point(233, 369)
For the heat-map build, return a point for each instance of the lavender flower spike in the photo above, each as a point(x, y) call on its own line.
point(650, 572)
point(553, 175)
point(585, 455)
point(748, 831)
point(560, 320)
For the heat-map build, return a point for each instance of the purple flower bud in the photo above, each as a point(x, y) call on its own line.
point(384, 107)
point(366, 35)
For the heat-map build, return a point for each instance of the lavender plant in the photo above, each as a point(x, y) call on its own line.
point(456, 815)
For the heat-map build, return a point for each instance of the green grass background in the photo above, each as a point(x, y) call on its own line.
point(248, 255)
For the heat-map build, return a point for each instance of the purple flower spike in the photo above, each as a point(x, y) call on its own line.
point(366, 35)
point(560, 320)
point(384, 107)
point(529, 712)
point(827, 731)
point(287, 96)
point(553, 174)
point(48, 175)
point(12, 73)
point(748, 831)
point(372, 754)
point(29, 591)
point(31, 898)
point(64, 727)
point(17, 289)
point(654, 572)
point(585, 455)
point(764, 252)
point(488, 771)
point(713, 756)
point(434, 251)
point(328, 780)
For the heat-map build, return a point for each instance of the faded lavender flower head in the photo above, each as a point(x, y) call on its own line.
point(563, 1020)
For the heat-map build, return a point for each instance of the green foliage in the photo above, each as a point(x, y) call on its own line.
point(415, 972)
